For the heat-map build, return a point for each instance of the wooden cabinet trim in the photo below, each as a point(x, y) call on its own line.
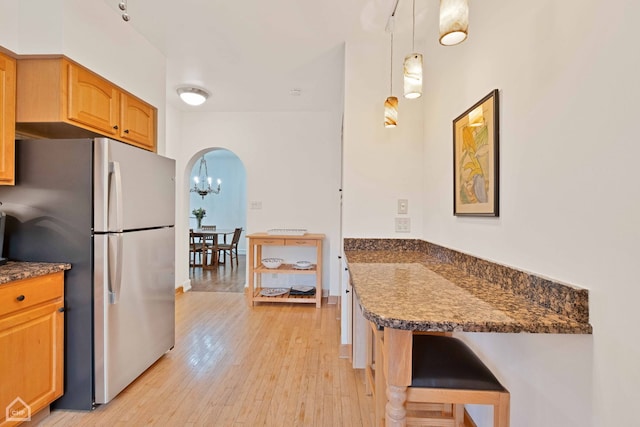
point(7, 119)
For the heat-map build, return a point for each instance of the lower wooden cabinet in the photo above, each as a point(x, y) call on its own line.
point(31, 345)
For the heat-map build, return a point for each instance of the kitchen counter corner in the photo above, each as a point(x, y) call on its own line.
point(17, 270)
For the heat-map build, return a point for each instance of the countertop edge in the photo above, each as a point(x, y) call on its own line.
point(560, 322)
point(18, 270)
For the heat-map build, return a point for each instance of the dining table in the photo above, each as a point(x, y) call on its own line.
point(211, 237)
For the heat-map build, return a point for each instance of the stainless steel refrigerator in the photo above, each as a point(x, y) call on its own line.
point(108, 209)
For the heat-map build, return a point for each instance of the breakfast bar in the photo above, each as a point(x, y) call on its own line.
point(405, 286)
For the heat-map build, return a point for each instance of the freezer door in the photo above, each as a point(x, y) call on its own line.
point(134, 306)
point(134, 188)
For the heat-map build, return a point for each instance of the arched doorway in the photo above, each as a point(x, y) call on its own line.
point(226, 209)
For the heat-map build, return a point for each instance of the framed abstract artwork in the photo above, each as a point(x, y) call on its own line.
point(475, 159)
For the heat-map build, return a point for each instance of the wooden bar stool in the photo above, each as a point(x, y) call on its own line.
point(446, 374)
point(446, 370)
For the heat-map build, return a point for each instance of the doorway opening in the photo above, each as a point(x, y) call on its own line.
point(213, 270)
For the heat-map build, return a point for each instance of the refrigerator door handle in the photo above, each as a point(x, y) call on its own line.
point(114, 171)
point(115, 267)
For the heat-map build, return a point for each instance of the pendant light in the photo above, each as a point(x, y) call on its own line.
point(413, 66)
point(391, 104)
point(454, 21)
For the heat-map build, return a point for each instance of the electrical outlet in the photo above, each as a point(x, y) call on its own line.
point(255, 205)
point(403, 206)
point(403, 225)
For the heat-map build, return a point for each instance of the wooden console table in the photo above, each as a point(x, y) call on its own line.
point(256, 268)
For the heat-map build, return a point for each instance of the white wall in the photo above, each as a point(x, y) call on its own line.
point(567, 74)
point(292, 162)
point(380, 165)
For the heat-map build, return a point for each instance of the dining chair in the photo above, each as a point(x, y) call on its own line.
point(232, 248)
point(210, 247)
point(195, 249)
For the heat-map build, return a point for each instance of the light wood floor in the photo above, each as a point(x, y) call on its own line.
point(224, 278)
point(273, 365)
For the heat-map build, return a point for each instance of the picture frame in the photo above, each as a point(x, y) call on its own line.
point(476, 159)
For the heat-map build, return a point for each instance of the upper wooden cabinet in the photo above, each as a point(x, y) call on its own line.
point(7, 118)
point(58, 98)
point(92, 101)
point(138, 122)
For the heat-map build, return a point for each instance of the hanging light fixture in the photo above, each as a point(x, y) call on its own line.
point(202, 182)
point(391, 103)
point(193, 95)
point(413, 66)
point(454, 21)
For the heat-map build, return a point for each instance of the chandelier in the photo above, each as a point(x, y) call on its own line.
point(202, 182)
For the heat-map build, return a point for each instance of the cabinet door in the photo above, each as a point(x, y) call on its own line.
point(138, 122)
point(7, 118)
point(92, 101)
point(31, 355)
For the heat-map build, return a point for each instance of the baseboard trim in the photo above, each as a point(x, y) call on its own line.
point(345, 351)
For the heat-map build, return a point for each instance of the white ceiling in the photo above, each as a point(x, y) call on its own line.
point(250, 53)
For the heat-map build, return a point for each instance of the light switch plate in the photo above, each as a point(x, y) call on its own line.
point(403, 206)
point(403, 225)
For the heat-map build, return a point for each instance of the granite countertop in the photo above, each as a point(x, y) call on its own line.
point(412, 290)
point(15, 270)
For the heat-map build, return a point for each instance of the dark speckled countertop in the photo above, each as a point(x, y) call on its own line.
point(14, 270)
point(415, 290)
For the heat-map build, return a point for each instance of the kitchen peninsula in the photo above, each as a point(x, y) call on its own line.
point(411, 285)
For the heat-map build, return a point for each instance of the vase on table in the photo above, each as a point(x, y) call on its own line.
point(199, 223)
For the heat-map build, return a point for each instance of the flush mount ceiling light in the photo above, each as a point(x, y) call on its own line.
point(193, 95)
point(454, 21)
point(413, 67)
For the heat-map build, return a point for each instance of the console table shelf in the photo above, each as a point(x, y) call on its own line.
point(256, 268)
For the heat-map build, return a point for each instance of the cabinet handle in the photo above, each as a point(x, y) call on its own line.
point(116, 127)
point(126, 131)
point(20, 298)
point(61, 309)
